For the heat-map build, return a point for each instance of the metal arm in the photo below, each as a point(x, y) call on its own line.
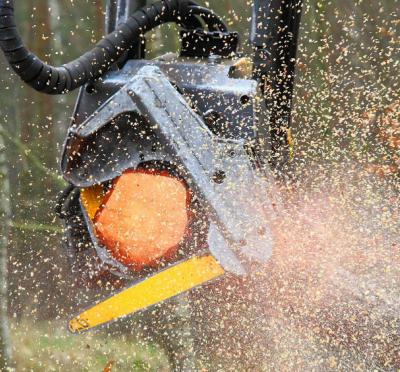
point(118, 11)
point(274, 33)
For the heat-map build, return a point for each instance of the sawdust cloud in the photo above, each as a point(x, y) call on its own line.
point(329, 297)
point(336, 266)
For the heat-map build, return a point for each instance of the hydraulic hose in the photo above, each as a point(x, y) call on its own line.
point(214, 23)
point(96, 62)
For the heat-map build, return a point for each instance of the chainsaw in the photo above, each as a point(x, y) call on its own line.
point(169, 161)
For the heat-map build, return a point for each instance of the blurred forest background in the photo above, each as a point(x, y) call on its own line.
point(348, 68)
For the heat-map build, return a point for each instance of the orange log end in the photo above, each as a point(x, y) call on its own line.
point(143, 217)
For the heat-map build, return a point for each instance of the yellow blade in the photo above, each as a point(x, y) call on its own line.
point(91, 198)
point(159, 287)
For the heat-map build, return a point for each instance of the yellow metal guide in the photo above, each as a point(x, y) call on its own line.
point(91, 198)
point(159, 287)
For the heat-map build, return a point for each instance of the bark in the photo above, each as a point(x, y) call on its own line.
point(42, 46)
point(99, 20)
point(5, 223)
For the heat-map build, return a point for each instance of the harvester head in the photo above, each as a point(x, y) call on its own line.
point(168, 160)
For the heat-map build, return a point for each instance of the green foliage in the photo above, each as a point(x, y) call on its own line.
point(49, 346)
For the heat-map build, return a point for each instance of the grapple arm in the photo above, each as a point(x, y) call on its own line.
point(218, 170)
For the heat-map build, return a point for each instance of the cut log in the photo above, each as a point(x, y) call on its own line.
point(143, 217)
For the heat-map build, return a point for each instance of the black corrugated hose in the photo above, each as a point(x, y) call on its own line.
point(96, 62)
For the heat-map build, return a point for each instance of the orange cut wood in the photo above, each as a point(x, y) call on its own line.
point(143, 217)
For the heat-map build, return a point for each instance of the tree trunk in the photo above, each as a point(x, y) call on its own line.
point(5, 223)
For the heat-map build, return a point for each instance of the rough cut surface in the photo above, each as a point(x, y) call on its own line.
point(143, 218)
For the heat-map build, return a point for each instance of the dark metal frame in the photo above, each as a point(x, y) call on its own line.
point(274, 35)
point(118, 11)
